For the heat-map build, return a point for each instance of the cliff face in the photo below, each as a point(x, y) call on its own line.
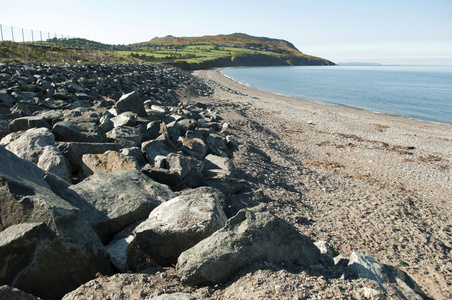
point(245, 60)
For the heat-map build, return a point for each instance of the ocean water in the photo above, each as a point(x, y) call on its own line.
point(416, 92)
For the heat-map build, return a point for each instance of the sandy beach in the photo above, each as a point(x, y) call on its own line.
point(362, 181)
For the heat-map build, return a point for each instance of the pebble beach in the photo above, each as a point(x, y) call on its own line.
point(378, 183)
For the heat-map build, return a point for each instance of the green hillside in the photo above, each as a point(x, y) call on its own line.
point(236, 49)
point(186, 52)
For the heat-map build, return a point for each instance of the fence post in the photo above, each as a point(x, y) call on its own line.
point(32, 38)
point(23, 37)
point(12, 33)
point(40, 33)
point(1, 30)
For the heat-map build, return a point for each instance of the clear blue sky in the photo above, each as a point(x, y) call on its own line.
point(386, 31)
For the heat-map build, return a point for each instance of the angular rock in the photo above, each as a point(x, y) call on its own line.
point(385, 275)
point(325, 251)
point(194, 147)
point(154, 148)
point(51, 116)
point(46, 271)
point(105, 123)
point(188, 168)
point(124, 253)
point(173, 130)
point(74, 151)
point(198, 133)
point(177, 225)
point(17, 246)
point(135, 152)
point(165, 139)
point(252, 234)
point(110, 161)
point(216, 145)
point(6, 100)
point(118, 251)
point(132, 102)
point(25, 123)
point(186, 124)
point(73, 87)
point(112, 201)
point(36, 145)
point(4, 130)
point(125, 136)
point(219, 173)
point(214, 162)
point(127, 118)
point(195, 177)
point(181, 164)
point(78, 131)
point(173, 180)
point(7, 292)
point(154, 129)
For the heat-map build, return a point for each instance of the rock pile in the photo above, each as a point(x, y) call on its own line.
point(103, 171)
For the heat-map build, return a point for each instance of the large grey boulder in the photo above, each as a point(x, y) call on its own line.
point(7, 292)
point(124, 253)
point(388, 277)
point(216, 144)
point(35, 256)
point(37, 145)
point(36, 260)
point(131, 102)
point(135, 152)
point(214, 162)
point(109, 161)
point(253, 234)
point(125, 119)
point(5, 99)
point(4, 131)
point(74, 151)
point(119, 252)
point(25, 123)
point(219, 173)
point(112, 201)
point(152, 149)
point(154, 129)
point(173, 180)
point(188, 168)
point(78, 131)
point(125, 136)
point(194, 147)
point(177, 225)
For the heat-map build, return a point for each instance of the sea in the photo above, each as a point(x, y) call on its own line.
point(416, 92)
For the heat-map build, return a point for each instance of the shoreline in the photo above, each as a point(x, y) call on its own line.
point(242, 87)
point(324, 103)
point(411, 154)
point(372, 182)
point(394, 150)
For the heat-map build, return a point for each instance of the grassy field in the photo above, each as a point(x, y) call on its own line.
point(189, 53)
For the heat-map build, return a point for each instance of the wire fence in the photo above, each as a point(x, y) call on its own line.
point(30, 36)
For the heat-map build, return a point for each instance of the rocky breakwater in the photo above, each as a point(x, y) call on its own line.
point(103, 171)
